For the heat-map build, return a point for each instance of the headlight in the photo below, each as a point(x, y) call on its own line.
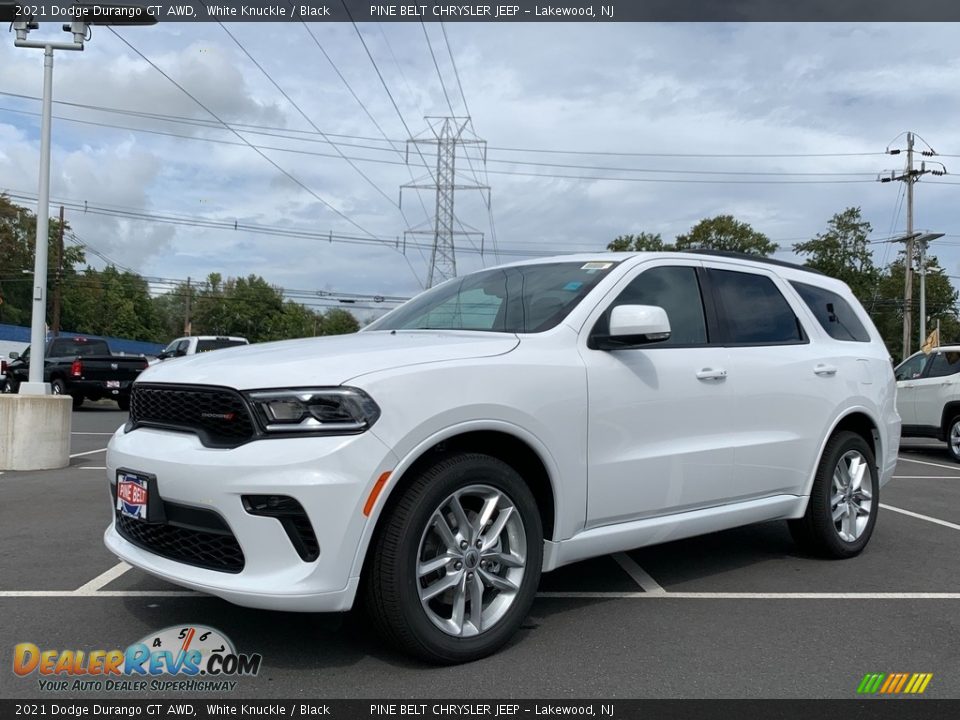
point(326, 411)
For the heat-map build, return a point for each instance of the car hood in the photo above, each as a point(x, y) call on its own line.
point(325, 361)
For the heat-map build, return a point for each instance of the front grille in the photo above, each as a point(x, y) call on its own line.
point(217, 415)
point(214, 551)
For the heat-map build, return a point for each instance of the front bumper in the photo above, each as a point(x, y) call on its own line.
point(329, 476)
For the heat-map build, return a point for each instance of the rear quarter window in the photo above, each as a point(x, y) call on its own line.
point(833, 313)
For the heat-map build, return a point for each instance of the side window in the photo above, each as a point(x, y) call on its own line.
point(182, 347)
point(910, 369)
point(754, 311)
point(677, 291)
point(833, 313)
point(943, 364)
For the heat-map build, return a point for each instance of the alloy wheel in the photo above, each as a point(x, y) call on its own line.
point(851, 499)
point(471, 560)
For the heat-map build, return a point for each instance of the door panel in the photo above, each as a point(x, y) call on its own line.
point(660, 437)
point(659, 431)
point(784, 390)
point(907, 374)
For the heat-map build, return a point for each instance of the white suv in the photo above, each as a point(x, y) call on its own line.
point(928, 396)
point(504, 424)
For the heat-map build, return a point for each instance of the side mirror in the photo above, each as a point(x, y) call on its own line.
point(14, 355)
point(633, 326)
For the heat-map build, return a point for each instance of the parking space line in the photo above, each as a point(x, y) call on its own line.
point(75, 432)
point(640, 576)
point(89, 452)
point(101, 593)
point(103, 579)
point(955, 468)
point(923, 477)
point(93, 467)
point(920, 517)
point(753, 595)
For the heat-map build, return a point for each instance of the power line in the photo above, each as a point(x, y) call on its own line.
point(255, 149)
point(335, 146)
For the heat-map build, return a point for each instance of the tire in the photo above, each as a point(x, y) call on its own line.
point(953, 439)
point(124, 402)
point(429, 612)
point(846, 478)
point(10, 387)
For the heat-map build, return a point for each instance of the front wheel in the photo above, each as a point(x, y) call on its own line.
point(844, 502)
point(456, 562)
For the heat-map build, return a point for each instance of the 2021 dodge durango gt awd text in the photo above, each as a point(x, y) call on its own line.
point(504, 424)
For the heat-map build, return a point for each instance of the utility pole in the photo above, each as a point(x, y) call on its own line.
point(448, 134)
point(186, 313)
point(908, 262)
point(910, 176)
point(57, 297)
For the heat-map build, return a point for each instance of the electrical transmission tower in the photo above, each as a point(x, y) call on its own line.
point(448, 134)
point(911, 175)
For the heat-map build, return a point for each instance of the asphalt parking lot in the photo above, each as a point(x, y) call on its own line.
point(735, 614)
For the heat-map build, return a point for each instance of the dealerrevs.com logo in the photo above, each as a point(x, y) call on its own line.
point(894, 683)
point(201, 658)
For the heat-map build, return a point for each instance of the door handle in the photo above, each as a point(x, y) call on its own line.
point(712, 374)
point(825, 370)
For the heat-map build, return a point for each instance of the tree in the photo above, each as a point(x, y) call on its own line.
point(18, 232)
point(886, 305)
point(638, 243)
point(723, 232)
point(843, 252)
point(339, 322)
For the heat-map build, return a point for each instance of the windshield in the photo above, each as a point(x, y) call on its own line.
point(521, 299)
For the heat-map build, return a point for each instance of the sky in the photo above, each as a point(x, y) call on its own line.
point(637, 117)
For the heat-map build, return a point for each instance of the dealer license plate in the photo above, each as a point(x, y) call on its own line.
point(113, 384)
point(132, 496)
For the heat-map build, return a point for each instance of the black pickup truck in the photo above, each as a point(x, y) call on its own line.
point(83, 368)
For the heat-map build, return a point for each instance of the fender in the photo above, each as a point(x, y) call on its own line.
point(553, 472)
point(808, 486)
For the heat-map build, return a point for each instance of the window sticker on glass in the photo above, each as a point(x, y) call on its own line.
point(597, 266)
point(573, 286)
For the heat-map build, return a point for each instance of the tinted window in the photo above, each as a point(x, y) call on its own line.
point(910, 369)
point(833, 313)
point(677, 291)
point(944, 363)
point(217, 344)
point(62, 347)
point(753, 310)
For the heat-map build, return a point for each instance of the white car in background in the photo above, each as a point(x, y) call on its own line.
point(193, 344)
point(504, 424)
point(928, 396)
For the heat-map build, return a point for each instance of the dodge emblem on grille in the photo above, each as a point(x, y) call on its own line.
point(219, 416)
point(114, 366)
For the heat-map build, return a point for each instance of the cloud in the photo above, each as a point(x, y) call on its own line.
point(701, 89)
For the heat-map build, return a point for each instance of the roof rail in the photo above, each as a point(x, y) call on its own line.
point(754, 258)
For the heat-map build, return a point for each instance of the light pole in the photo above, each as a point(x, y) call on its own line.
point(922, 241)
point(79, 28)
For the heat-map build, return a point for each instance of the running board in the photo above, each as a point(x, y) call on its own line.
point(666, 528)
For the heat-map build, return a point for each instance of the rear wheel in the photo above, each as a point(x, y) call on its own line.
point(953, 439)
point(844, 502)
point(124, 402)
point(456, 562)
